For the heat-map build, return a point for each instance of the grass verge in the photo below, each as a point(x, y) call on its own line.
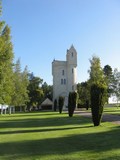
point(54, 136)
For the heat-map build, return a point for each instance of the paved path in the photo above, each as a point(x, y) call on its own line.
point(106, 117)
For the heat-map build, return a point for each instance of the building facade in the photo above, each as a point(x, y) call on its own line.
point(65, 76)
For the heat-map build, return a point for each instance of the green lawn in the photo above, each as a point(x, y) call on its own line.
point(109, 110)
point(112, 110)
point(51, 136)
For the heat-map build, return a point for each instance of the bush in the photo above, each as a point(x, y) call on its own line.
point(60, 103)
point(97, 102)
point(72, 99)
point(55, 104)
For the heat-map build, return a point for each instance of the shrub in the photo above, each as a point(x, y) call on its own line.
point(72, 99)
point(60, 103)
point(97, 102)
point(55, 104)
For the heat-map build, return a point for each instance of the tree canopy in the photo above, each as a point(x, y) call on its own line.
point(6, 64)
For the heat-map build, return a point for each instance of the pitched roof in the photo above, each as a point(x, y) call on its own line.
point(46, 102)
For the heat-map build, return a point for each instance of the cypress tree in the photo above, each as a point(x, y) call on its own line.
point(55, 104)
point(97, 103)
point(72, 100)
point(60, 103)
point(98, 90)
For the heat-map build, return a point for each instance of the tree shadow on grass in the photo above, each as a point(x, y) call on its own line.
point(32, 114)
point(43, 130)
point(43, 122)
point(92, 142)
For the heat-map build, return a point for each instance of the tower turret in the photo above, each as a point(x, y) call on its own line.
point(72, 69)
point(71, 56)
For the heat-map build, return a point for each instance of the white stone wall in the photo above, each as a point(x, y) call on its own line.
point(65, 75)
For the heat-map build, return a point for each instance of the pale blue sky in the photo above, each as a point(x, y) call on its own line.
point(44, 29)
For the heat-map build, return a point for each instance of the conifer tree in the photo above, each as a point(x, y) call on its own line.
point(72, 102)
point(20, 96)
point(98, 90)
point(6, 64)
point(60, 104)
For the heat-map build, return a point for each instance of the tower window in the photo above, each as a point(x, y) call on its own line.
point(63, 72)
point(64, 81)
point(72, 54)
point(73, 88)
point(72, 70)
point(61, 81)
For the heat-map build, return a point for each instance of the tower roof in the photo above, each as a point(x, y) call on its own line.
point(72, 48)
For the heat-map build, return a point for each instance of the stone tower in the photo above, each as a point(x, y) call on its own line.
point(65, 75)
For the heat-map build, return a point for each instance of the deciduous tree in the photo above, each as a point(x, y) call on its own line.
point(109, 79)
point(35, 91)
point(116, 84)
point(47, 90)
point(83, 94)
point(20, 96)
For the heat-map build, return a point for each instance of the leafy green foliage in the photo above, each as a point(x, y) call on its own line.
point(35, 92)
point(20, 95)
point(83, 94)
point(116, 84)
point(96, 72)
point(47, 90)
point(109, 79)
point(6, 65)
point(107, 71)
point(14, 84)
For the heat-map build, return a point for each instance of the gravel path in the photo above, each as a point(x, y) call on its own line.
point(106, 117)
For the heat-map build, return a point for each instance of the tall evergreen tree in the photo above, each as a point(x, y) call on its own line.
point(20, 96)
point(98, 89)
point(6, 64)
point(60, 104)
point(55, 104)
point(72, 102)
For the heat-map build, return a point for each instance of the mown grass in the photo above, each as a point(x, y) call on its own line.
point(51, 136)
point(112, 110)
point(109, 110)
